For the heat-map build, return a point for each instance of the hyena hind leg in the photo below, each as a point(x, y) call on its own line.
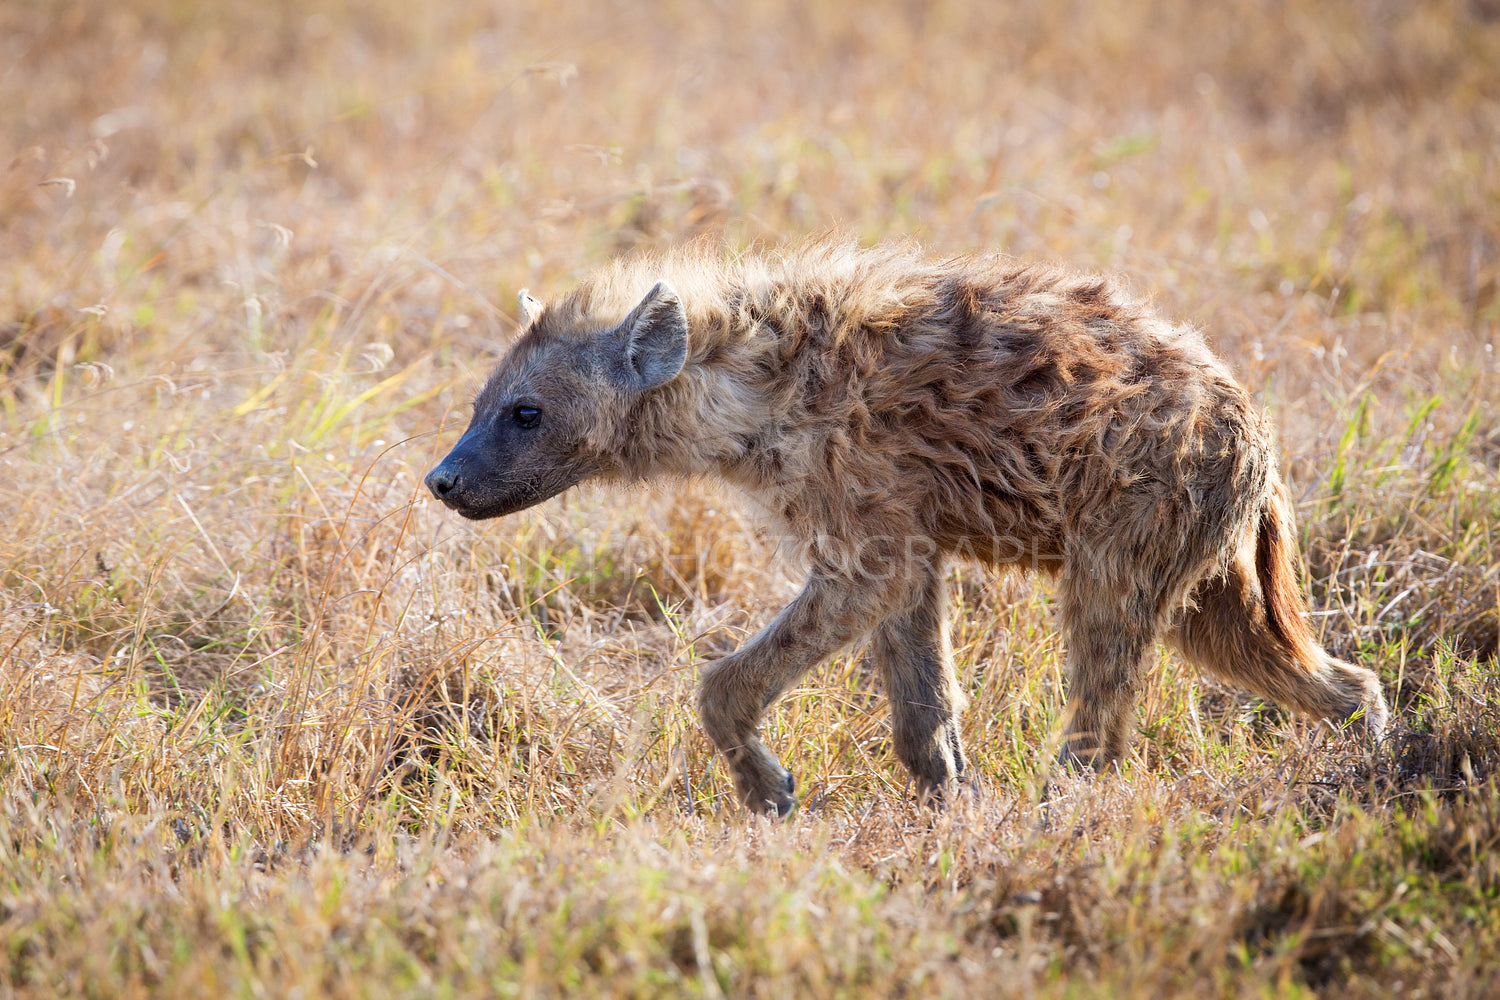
point(1106, 655)
point(1228, 634)
point(915, 658)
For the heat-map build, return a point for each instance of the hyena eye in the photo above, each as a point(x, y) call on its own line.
point(527, 416)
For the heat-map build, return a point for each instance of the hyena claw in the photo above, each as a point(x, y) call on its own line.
point(787, 804)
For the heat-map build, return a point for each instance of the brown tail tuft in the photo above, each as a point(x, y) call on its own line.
point(1275, 569)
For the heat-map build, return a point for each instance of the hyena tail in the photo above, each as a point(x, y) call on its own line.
point(1248, 626)
point(1275, 571)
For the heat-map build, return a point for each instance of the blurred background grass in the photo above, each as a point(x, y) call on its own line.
point(271, 722)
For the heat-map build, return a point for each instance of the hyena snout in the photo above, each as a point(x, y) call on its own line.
point(463, 479)
point(453, 482)
point(444, 482)
point(457, 485)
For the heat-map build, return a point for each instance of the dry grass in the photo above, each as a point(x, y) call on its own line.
point(270, 723)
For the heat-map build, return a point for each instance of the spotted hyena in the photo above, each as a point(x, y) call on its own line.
point(896, 412)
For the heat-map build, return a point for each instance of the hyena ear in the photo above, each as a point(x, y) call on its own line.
point(655, 340)
point(530, 308)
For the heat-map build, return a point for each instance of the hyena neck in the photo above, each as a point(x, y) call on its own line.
point(698, 426)
point(705, 421)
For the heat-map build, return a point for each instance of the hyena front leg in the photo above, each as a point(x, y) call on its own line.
point(915, 657)
point(830, 613)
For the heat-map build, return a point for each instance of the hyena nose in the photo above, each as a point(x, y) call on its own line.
point(443, 482)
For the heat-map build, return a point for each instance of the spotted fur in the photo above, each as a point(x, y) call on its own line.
point(894, 412)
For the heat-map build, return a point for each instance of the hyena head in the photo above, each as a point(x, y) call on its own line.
point(553, 410)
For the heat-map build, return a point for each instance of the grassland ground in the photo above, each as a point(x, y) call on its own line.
point(271, 723)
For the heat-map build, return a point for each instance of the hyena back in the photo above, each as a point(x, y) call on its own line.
point(894, 413)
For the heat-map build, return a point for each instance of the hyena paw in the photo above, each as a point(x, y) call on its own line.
point(1084, 757)
point(771, 793)
point(1370, 720)
point(764, 786)
point(1363, 710)
point(783, 802)
point(787, 802)
point(937, 796)
point(934, 796)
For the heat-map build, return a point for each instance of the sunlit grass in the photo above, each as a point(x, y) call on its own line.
point(270, 722)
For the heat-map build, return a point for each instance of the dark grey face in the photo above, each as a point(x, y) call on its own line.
point(524, 443)
point(530, 437)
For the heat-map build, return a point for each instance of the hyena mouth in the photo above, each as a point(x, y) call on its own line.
point(473, 513)
point(470, 511)
point(486, 511)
